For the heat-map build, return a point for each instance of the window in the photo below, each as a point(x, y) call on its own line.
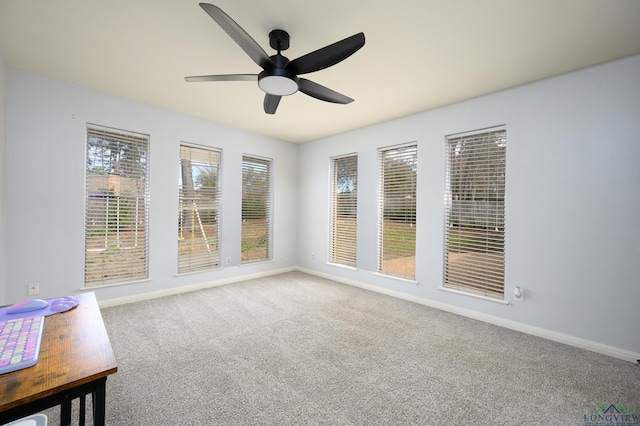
point(397, 211)
point(256, 209)
point(344, 203)
point(199, 207)
point(116, 206)
point(474, 212)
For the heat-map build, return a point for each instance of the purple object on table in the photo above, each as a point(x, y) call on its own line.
point(55, 305)
point(27, 306)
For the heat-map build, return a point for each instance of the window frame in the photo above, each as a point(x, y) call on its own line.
point(479, 268)
point(100, 251)
point(207, 257)
point(402, 234)
point(246, 213)
point(343, 251)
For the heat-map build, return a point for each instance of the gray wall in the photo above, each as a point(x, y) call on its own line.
point(44, 195)
point(572, 204)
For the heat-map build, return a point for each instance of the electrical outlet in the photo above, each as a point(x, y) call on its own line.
point(228, 261)
point(518, 293)
point(33, 289)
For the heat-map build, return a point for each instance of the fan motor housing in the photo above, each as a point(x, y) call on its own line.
point(279, 40)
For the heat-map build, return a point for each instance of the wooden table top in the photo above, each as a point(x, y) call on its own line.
point(75, 350)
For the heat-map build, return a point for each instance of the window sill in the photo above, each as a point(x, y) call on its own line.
point(338, 265)
point(394, 277)
point(477, 296)
point(199, 271)
point(93, 287)
point(255, 262)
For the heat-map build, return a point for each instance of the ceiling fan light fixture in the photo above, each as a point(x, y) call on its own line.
point(278, 85)
point(280, 76)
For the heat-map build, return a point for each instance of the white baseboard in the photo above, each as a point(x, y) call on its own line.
point(188, 288)
point(513, 325)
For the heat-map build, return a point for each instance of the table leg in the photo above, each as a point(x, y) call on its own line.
point(83, 409)
point(99, 396)
point(65, 412)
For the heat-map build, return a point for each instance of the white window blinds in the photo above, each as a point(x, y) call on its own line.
point(256, 209)
point(397, 211)
point(474, 212)
point(199, 209)
point(344, 205)
point(116, 206)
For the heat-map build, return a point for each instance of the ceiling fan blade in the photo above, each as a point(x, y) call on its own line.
point(327, 56)
point(240, 36)
point(271, 103)
point(223, 77)
point(317, 91)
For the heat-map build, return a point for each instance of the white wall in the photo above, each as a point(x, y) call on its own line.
point(44, 195)
point(573, 204)
point(3, 85)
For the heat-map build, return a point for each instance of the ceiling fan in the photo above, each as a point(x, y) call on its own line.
point(280, 76)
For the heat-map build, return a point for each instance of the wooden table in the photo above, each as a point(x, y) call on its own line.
point(75, 360)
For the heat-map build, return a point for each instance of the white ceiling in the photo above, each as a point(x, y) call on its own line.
point(419, 54)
